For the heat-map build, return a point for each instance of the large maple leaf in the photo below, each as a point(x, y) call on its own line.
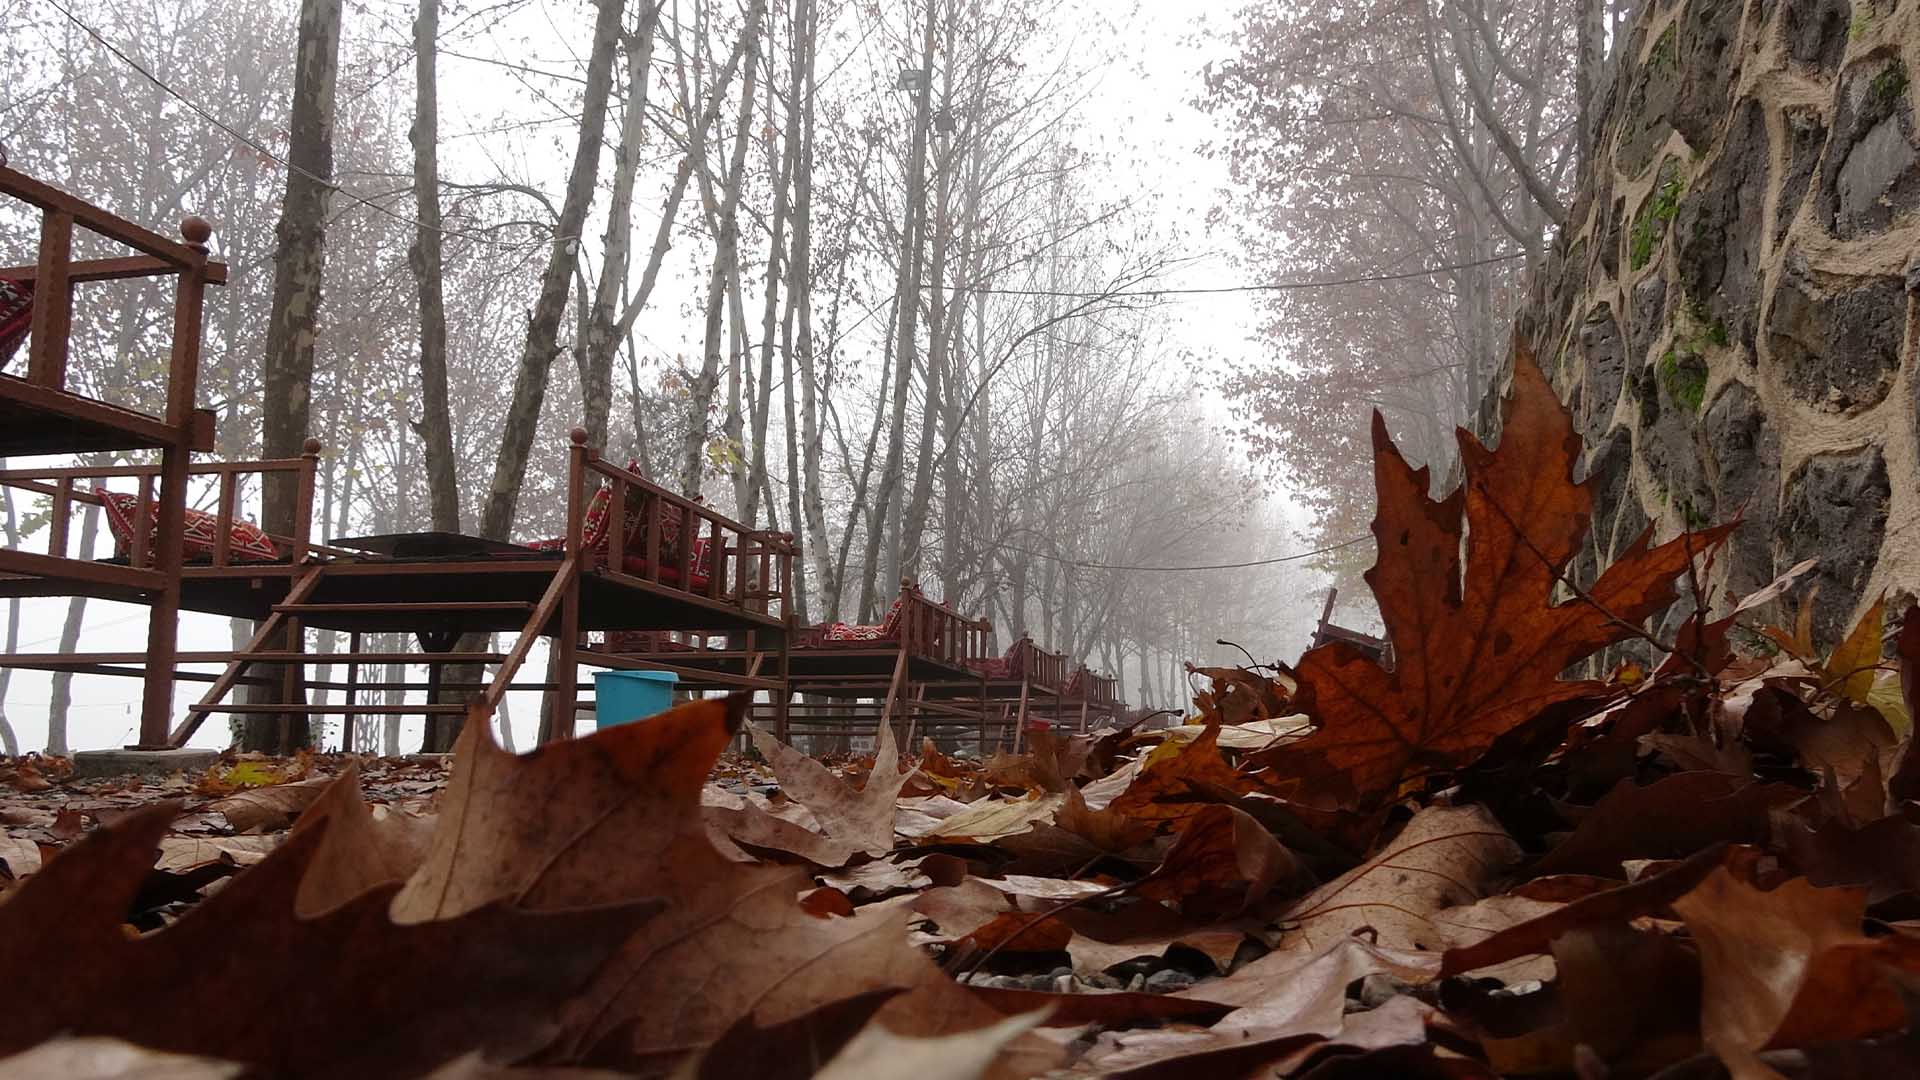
point(1478, 647)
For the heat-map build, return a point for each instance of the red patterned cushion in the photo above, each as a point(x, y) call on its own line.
point(888, 629)
point(16, 315)
point(246, 543)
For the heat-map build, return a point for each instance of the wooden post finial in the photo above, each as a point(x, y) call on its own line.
point(311, 447)
point(196, 230)
point(578, 436)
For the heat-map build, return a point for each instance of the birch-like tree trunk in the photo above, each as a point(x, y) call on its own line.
point(693, 450)
point(292, 322)
point(907, 326)
point(60, 697)
point(543, 329)
point(435, 426)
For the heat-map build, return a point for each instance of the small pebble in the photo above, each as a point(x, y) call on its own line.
point(1164, 982)
point(1138, 983)
point(1100, 980)
point(1063, 984)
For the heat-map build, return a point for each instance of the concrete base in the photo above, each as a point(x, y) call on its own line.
point(93, 763)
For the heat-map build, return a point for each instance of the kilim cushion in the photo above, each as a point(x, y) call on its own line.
point(16, 315)
point(246, 543)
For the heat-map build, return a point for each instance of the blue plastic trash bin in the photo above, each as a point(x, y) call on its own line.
point(621, 697)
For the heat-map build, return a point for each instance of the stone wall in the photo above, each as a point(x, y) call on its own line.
point(1730, 313)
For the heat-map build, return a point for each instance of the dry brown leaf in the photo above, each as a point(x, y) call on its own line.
point(1790, 967)
point(618, 814)
point(19, 857)
point(1478, 647)
point(863, 817)
point(1176, 781)
point(111, 1059)
point(1670, 818)
point(993, 819)
point(179, 854)
point(269, 809)
point(347, 993)
point(879, 1054)
point(1224, 863)
point(364, 847)
point(1445, 857)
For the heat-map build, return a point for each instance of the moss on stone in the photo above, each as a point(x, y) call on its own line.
point(1651, 226)
point(1685, 378)
point(1885, 89)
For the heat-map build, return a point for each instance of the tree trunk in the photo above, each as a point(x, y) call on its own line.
point(603, 332)
point(725, 255)
point(299, 261)
point(60, 700)
point(543, 329)
point(907, 293)
point(435, 426)
point(9, 742)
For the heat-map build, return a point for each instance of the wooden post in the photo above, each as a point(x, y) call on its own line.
point(351, 719)
point(303, 498)
point(563, 668)
point(52, 320)
point(183, 370)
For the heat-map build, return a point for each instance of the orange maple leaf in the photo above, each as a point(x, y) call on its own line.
point(1478, 648)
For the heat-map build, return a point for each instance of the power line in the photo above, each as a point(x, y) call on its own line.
point(1186, 569)
point(1272, 286)
point(261, 149)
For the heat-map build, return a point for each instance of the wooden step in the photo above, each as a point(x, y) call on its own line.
point(399, 608)
point(371, 658)
point(315, 710)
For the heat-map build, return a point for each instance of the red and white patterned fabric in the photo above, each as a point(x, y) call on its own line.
point(246, 543)
point(888, 629)
point(1076, 683)
point(1010, 665)
point(16, 316)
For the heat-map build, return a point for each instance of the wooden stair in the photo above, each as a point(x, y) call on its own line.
point(269, 648)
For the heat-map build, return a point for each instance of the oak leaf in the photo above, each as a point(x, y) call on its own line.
point(1478, 643)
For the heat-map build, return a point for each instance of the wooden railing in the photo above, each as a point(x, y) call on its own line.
point(55, 272)
point(742, 567)
point(1040, 667)
point(931, 629)
point(72, 487)
point(1093, 688)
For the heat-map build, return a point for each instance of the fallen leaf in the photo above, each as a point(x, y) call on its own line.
point(863, 818)
point(179, 854)
point(1850, 670)
point(19, 857)
point(269, 809)
point(1670, 818)
point(111, 1059)
point(1479, 646)
point(1791, 966)
point(1535, 936)
point(350, 992)
point(365, 846)
point(879, 1054)
point(1223, 863)
point(1445, 857)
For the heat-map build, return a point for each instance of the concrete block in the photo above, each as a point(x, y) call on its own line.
point(92, 763)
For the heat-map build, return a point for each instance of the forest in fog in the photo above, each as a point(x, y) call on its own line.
point(878, 275)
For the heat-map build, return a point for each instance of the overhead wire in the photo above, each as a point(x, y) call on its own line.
point(1085, 565)
point(261, 149)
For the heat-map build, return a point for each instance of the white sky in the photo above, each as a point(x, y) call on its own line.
point(1142, 119)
